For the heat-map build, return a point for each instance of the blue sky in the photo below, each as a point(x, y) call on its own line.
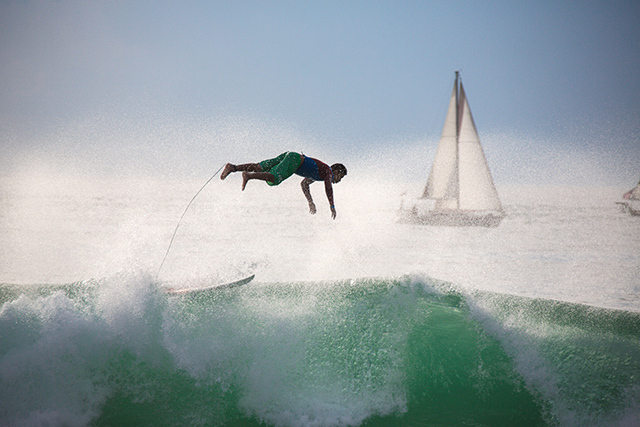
point(547, 80)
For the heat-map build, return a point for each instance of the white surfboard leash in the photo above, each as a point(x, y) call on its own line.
point(180, 220)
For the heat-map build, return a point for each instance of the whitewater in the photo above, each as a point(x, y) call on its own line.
point(361, 321)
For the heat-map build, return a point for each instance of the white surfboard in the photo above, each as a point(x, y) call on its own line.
point(194, 291)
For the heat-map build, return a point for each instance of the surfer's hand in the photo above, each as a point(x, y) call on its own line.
point(333, 212)
point(312, 208)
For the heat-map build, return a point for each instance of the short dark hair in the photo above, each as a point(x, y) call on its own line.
point(339, 167)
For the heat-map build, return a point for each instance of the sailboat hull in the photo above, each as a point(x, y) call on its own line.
point(452, 218)
point(630, 207)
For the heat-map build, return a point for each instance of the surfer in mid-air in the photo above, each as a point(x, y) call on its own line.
point(276, 170)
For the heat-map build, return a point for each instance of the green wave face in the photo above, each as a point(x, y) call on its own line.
point(371, 352)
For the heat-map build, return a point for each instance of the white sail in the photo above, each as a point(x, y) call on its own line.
point(460, 181)
point(631, 202)
point(442, 184)
point(635, 193)
point(477, 191)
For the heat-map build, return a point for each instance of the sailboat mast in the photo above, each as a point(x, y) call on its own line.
point(458, 119)
point(457, 85)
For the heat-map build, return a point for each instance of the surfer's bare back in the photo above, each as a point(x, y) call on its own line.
point(276, 170)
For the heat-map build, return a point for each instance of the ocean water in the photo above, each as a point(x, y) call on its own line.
point(361, 321)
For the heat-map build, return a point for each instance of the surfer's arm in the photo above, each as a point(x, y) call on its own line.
point(307, 193)
point(328, 188)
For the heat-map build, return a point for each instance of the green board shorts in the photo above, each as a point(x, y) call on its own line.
point(282, 167)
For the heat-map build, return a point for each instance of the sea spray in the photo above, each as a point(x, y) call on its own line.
point(52, 359)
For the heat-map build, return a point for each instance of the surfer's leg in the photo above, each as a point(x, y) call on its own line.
point(287, 166)
point(251, 167)
point(228, 168)
point(273, 171)
point(263, 176)
point(267, 165)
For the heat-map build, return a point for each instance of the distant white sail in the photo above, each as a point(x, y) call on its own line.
point(633, 194)
point(631, 202)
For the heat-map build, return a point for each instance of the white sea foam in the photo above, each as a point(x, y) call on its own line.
point(570, 244)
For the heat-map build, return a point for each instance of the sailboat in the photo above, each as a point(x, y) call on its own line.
point(459, 190)
point(631, 202)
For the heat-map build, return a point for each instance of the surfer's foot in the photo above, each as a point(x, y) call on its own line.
point(227, 170)
point(245, 178)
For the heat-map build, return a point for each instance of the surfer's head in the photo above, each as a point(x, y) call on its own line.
point(339, 171)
